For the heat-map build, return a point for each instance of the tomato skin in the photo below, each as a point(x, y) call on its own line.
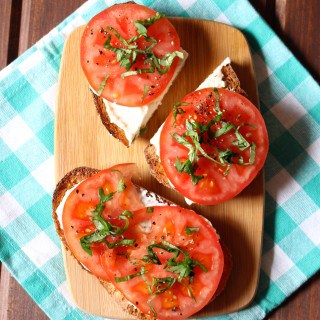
point(81, 202)
point(97, 61)
point(168, 224)
point(215, 187)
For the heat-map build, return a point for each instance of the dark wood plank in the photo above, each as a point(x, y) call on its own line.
point(300, 25)
point(297, 24)
point(5, 14)
point(39, 17)
point(15, 302)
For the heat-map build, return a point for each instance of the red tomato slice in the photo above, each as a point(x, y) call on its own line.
point(83, 200)
point(219, 182)
point(167, 225)
point(97, 62)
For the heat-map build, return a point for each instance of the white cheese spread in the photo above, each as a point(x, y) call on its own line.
point(132, 119)
point(59, 210)
point(149, 199)
point(213, 80)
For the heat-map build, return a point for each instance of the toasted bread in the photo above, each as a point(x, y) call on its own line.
point(76, 176)
point(232, 83)
point(113, 129)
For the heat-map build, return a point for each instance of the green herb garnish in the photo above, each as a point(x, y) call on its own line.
point(142, 24)
point(103, 84)
point(129, 277)
point(178, 110)
point(105, 228)
point(121, 185)
point(150, 209)
point(216, 93)
point(145, 91)
point(190, 230)
point(128, 54)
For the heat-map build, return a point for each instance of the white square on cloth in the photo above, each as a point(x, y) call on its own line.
point(288, 111)
point(311, 227)
point(282, 186)
point(275, 263)
point(40, 249)
point(10, 209)
point(16, 133)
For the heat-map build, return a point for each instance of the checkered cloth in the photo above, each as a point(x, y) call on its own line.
point(290, 104)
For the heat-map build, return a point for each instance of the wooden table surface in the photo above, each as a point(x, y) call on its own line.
point(23, 22)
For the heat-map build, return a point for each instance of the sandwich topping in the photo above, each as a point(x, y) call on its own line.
point(212, 145)
point(129, 54)
point(166, 260)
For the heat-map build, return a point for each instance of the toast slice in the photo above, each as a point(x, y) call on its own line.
point(229, 81)
point(125, 123)
point(68, 183)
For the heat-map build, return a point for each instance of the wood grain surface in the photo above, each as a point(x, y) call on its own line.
point(82, 140)
point(299, 29)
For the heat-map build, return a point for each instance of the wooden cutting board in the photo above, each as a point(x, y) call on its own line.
point(82, 140)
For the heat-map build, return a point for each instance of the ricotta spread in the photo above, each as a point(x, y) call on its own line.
point(132, 119)
point(213, 80)
point(149, 199)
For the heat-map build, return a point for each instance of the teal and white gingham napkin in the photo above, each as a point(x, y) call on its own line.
point(290, 104)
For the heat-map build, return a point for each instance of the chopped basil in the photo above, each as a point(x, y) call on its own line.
point(121, 185)
point(160, 285)
point(252, 153)
point(145, 91)
point(189, 169)
point(241, 142)
point(127, 56)
point(226, 127)
point(190, 230)
point(103, 84)
point(129, 277)
point(150, 209)
point(191, 294)
point(141, 24)
point(193, 137)
point(123, 242)
point(182, 267)
point(103, 197)
point(216, 93)
point(105, 228)
point(151, 307)
point(178, 110)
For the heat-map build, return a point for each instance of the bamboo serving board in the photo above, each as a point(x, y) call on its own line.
point(82, 140)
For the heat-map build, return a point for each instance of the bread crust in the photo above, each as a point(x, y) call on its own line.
point(232, 83)
point(72, 178)
point(113, 129)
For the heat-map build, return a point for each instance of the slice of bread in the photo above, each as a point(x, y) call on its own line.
point(231, 82)
point(70, 181)
point(125, 123)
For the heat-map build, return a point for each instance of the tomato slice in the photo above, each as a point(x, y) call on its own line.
point(98, 62)
point(77, 212)
point(236, 140)
point(159, 289)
